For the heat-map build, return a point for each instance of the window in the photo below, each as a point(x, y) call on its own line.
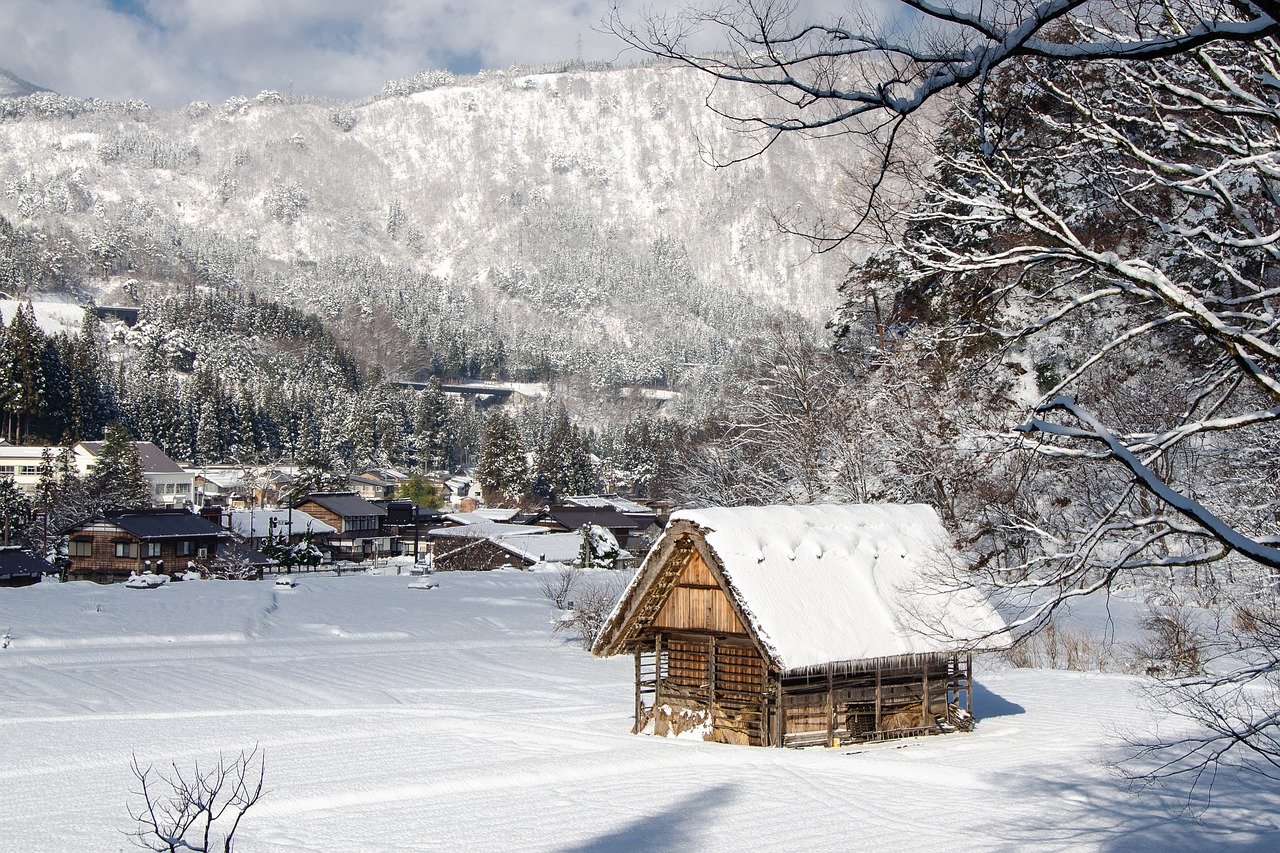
point(80, 548)
point(6, 469)
point(159, 489)
point(153, 549)
point(30, 470)
point(184, 488)
point(186, 547)
point(126, 549)
point(168, 488)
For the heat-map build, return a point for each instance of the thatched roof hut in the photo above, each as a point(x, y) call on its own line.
point(787, 625)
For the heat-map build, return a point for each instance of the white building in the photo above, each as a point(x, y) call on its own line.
point(170, 485)
point(23, 465)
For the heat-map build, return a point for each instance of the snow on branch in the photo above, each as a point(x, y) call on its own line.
point(1188, 507)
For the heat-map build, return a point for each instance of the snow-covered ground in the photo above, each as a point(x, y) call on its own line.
point(452, 719)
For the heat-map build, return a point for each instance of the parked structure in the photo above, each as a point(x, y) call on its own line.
point(795, 626)
point(110, 547)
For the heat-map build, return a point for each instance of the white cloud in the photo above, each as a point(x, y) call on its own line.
point(175, 51)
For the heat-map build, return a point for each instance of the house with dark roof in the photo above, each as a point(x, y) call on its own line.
point(20, 568)
point(573, 518)
point(169, 484)
point(358, 522)
point(111, 546)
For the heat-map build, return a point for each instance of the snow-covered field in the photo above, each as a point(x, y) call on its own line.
point(452, 719)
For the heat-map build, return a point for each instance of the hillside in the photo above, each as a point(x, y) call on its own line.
point(570, 216)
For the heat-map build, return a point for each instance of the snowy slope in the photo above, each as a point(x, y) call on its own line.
point(581, 201)
point(13, 86)
point(453, 719)
point(52, 317)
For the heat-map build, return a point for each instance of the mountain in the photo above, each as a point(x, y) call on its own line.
point(562, 223)
point(13, 86)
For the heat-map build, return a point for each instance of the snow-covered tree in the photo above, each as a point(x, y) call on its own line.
point(502, 470)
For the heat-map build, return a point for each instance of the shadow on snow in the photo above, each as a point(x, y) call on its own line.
point(670, 829)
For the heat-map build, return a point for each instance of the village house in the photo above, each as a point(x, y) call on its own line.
point(488, 545)
point(257, 527)
point(797, 626)
point(111, 546)
point(572, 519)
point(409, 523)
point(23, 465)
point(169, 484)
point(357, 522)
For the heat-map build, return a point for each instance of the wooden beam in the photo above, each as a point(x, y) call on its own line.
point(968, 682)
point(779, 721)
point(879, 699)
point(924, 697)
point(639, 702)
point(711, 676)
point(657, 671)
point(831, 706)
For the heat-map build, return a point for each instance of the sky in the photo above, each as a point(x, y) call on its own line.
point(172, 52)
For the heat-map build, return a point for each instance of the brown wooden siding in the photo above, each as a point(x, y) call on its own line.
point(696, 603)
point(102, 564)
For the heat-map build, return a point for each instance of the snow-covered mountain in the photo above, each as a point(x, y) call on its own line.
point(13, 86)
point(573, 216)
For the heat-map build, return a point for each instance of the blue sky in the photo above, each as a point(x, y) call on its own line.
point(170, 52)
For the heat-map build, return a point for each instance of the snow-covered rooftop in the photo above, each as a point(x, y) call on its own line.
point(257, 523)
point(543, 547)
point(487, 530)
point(833, 583)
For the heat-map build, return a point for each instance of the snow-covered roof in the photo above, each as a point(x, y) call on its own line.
point(480, 516)
point(257, 522)
point(819, 584)
point(543, 547)
point(153, 459)
point(487, 530)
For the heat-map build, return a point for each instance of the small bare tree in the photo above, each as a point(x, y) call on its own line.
point(199, 810)
point(558, 587)
point(591, 606)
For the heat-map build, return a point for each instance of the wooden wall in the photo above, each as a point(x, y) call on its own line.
point(696, 603)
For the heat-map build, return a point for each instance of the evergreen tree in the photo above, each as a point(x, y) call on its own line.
point(502, 470)
point(23, 366)
point(15, 510)
point(116, 479)
point(420, 490)
point(430, 425)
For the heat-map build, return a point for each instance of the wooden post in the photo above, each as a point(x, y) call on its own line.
point(968, 682)
point(779, 721)
point(639, 702)
point(831, 706)
point(924, 697)
point(657, 672)
point(879, 698)
point(711, 678)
